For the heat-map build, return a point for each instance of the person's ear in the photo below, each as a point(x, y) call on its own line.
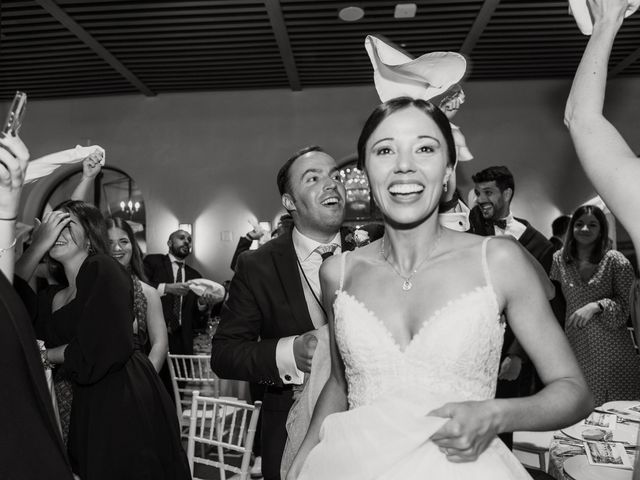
point(288, 202)
point(508, 194)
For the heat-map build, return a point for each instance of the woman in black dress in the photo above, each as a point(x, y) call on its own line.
point(123, 424)
point(31, 447)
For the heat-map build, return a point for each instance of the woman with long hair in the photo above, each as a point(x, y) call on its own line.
point(149, 329)
point(416, 332)
point(122, 422)
point(596, 282)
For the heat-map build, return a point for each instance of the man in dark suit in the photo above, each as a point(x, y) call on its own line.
point(494, 187)
point(183, 310)
point(274, 300)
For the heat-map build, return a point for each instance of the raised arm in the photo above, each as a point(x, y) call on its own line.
point(333, 397)
point(90, 169)
point(13, 163)
point(607, 159)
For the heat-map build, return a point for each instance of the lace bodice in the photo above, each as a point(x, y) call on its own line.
point(455, 354)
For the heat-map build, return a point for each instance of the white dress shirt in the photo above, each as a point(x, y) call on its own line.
point(513, 228)
point(310, 262)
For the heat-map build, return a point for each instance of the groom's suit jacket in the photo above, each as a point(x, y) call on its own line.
point(266, 302)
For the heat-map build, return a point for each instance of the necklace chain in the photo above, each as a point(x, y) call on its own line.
point(407, 285)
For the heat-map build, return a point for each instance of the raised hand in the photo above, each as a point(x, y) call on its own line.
point(468, 433)
point(13, 164)
point(91, 165)
point(47, 230)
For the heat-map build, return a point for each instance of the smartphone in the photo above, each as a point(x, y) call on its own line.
point(13, 121)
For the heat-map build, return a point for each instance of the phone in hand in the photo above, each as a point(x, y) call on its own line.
point(13, 122)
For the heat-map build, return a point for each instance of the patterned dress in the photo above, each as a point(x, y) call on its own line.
point(604, 348)
point(140, 333)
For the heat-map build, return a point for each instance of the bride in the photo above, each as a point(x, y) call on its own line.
point(415, 334)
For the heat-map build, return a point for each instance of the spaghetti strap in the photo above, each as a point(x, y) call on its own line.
point(342, 263)
point(485, 264)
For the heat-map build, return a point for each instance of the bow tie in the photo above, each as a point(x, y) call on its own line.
point(502, 223)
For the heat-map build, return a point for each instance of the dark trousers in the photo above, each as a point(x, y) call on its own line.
point(257, 395)
point(273, 439)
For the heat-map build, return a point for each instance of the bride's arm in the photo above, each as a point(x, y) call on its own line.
point(607, 159)
point(564, 400)
point(333, 397)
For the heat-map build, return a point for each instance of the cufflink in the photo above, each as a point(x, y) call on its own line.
point(287, 378)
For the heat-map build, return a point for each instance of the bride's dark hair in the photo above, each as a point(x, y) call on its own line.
point(395, 104)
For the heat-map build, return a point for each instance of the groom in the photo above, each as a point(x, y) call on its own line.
point(264, 334)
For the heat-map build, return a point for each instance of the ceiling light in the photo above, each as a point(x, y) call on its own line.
point(351, 14)
point(405, 10)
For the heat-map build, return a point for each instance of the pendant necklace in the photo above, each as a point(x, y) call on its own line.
point(407, 285)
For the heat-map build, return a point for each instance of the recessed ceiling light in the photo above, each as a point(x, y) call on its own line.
point(405, 10)
point(351, 14)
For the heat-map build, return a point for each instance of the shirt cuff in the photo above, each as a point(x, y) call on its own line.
point(286, 362)
point(161, 289)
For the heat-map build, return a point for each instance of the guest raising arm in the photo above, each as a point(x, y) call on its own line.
point(13, 163)
point(608, 160)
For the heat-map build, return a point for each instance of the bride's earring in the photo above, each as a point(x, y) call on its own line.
point(444, 187)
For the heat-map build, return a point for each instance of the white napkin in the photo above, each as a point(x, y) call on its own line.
point(44, 166)
point(398, 75)
point(580, 11)
point(201, 285)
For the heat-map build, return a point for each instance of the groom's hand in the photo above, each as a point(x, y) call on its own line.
point(303, 348)
point(468, 433)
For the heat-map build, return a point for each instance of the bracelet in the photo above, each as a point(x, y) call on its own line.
point(44, 356)
point(9, 219)
point(5, 250)
point(600, 306)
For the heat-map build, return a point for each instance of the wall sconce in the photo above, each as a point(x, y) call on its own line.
point(187, 227)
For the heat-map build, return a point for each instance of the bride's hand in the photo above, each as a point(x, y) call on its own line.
point(468, 433)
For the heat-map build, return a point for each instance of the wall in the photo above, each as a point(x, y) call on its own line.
point(211, 158)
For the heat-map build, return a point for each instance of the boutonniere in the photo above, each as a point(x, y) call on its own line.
point(357, 238)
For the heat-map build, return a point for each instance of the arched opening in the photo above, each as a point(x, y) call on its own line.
point(114, 192)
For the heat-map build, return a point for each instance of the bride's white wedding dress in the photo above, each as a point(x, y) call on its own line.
point(385, 433)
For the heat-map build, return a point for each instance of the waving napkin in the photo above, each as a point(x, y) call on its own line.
point(580, 11)
point(396, 74)
point(200, 285)
point(44, 166)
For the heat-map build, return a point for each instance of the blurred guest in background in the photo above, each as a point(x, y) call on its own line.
point(558, 231)
point(596, 282)
point(149, 329)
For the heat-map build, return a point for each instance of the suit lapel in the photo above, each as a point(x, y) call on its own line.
point(286, 265)
point(166, 262)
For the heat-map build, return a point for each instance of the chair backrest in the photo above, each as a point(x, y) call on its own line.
point(188, 374)
point(226, 430)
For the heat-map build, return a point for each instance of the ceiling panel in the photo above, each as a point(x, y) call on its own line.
point(68, 48)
